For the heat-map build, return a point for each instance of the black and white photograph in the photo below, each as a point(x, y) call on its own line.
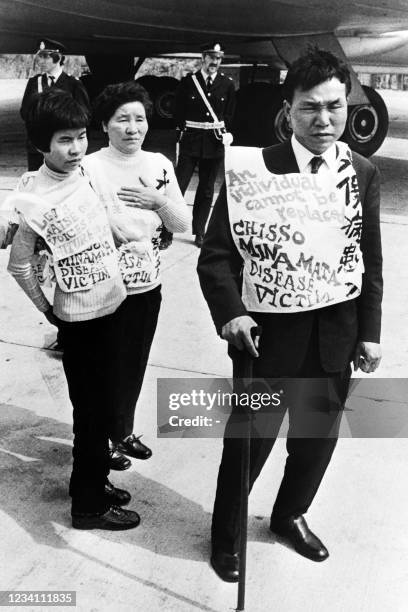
point(203, 305)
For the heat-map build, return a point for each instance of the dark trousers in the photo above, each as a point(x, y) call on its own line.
point(207, 173)
point(90, 352)
point(138, 316)
point(314, 408)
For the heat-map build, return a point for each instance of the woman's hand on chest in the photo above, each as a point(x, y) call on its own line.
point(144, 196)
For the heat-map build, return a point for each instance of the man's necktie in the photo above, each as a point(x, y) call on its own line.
point(47, 81)
point(315, 164)
point(209, 82)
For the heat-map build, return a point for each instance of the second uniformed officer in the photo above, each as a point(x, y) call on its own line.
point(50, 57)
point(202, 128)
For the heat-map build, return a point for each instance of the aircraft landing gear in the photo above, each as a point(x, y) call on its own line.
point(367, 124)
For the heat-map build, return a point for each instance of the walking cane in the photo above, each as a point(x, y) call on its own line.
point(248, 367)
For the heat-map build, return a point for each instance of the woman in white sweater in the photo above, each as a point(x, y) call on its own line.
point(124, 175)
point(57, 204)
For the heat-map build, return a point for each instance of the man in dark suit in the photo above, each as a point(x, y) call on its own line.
point(307, 340)
point(50, 57)
point(201, 141)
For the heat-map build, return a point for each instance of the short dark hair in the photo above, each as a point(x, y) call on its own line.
point(312, 68)
point(51, 111)
point(57, 57)
point(117, 94)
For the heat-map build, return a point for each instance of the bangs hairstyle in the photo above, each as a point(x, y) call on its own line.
point(313, 68)
point(114, 96)
point(51, 111)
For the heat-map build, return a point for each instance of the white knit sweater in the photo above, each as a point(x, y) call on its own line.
point(109, 170)
point(54, 188)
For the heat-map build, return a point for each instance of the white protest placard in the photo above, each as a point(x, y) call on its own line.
point(298, 234)
point(137, 231)
point(139, 263)
point(78, 235)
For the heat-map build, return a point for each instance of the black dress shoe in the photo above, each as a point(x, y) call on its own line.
point(198, 241)
point(118, 461)
point(226, 565)
point(115, 496)
point(133, 447)
point(296, 532)
point(114, 519)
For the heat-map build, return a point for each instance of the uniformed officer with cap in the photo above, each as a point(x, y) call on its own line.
point(203, 131)
point(50, 57)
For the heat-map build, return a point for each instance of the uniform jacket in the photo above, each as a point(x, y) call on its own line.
point(65, 82)
point(190, 106)
point(286, 336)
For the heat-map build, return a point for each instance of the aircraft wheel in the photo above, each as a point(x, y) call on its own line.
point(164, 102)
point(161, 91)
point(282, 129)
point(147, 81)
point(367, 124)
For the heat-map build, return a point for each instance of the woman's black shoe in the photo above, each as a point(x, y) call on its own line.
point(114, 519)
point(115, 496)
point(133, 447)
point(117, 461)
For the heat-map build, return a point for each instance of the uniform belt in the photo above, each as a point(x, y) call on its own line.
point(205, 125)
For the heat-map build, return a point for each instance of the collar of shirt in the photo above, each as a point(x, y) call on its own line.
point(205, 76)
point(55, 74)
point(304, 156)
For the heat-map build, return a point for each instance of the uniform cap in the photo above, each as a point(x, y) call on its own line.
point(53, 46)
point(214, 47)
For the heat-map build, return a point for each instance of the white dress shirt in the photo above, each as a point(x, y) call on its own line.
point(55, 74)
point(205, 76)
point(304, 157)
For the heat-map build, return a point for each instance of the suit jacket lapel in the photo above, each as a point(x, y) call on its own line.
point(280, 159)
point(60, 79)
point(217, 81)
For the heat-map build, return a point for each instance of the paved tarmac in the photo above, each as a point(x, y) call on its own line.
point(163, 565)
